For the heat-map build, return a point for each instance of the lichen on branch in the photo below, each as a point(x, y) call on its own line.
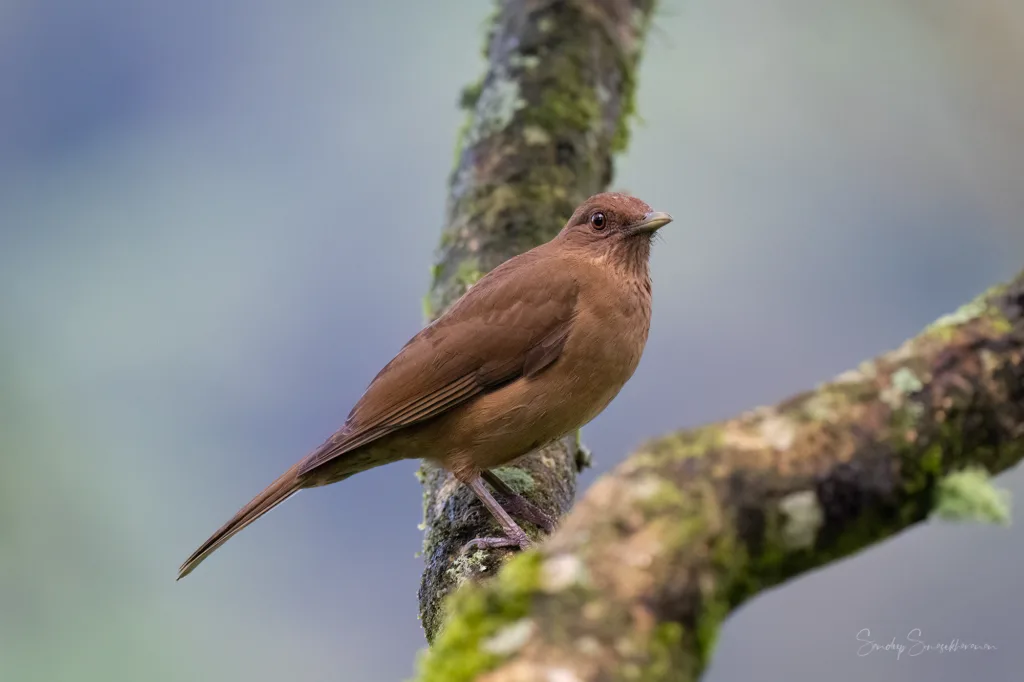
point(637, 580)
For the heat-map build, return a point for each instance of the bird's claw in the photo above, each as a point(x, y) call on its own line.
point(522, 543)
point(520, 507)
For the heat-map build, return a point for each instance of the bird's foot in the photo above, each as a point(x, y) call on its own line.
point(522, 543)
point(517, 505)
point(522, 508)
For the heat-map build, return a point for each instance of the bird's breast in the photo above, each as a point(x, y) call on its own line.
point(601, 352)
point(606, 343)
point(608, 336)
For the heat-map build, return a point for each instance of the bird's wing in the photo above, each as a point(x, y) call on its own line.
point(512, 323)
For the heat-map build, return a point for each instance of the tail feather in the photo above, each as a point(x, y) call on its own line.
point(277, 492)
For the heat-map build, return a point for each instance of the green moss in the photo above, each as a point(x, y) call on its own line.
point(733, 573)
point(567, 101)
point(944, 328)
point(996, 291)
point(470, 95)
point(931, 461)
point(969, 495)
point(677, 446)
point(743, 572)
point(658, 495)
point(628, 113)
point(474, 614)
point(574, 106)
point(570, 103)
point(708, 625)
point(461, 135)
point(693, 443)
point(666, 646)
point(739, 573)
point(490, 25)
point(468, 273)
point(516, 478)
point(535, 205)
point(465, 565)
point(918, 472)
point(1001, 325)
point(927, 486)
point(428, 307)
point(436, 272)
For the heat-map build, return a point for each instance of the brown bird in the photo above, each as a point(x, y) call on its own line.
point(533, 351)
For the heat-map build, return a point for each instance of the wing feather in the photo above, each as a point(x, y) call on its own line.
point(513, 323)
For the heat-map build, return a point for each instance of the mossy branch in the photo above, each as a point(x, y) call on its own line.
point(542, 126)
point(637, 580)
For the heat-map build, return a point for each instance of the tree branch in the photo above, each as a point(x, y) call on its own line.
point(541, 130)
point(637, 580)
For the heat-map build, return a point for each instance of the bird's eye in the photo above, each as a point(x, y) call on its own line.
point(597, 220)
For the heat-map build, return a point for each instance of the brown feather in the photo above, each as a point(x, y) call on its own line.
point(274, 494)
point(489, 337)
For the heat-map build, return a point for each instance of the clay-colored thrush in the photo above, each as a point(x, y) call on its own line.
point(533, 351)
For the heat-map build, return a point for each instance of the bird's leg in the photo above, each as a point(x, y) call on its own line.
point(517, 505)
point(514, 534)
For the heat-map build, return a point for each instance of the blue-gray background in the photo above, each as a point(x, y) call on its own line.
point(216, 223)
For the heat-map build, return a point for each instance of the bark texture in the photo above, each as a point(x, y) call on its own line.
point(636, 581)
point(542, 126)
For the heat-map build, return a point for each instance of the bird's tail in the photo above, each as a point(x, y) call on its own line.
point(277, 492)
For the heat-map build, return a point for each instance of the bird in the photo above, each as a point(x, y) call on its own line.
point(531, 352)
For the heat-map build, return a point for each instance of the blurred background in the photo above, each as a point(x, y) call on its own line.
point(216, 225)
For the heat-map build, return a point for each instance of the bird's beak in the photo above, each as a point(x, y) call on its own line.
point(651, 222)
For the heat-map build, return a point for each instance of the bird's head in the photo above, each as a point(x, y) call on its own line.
point(614, 226)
